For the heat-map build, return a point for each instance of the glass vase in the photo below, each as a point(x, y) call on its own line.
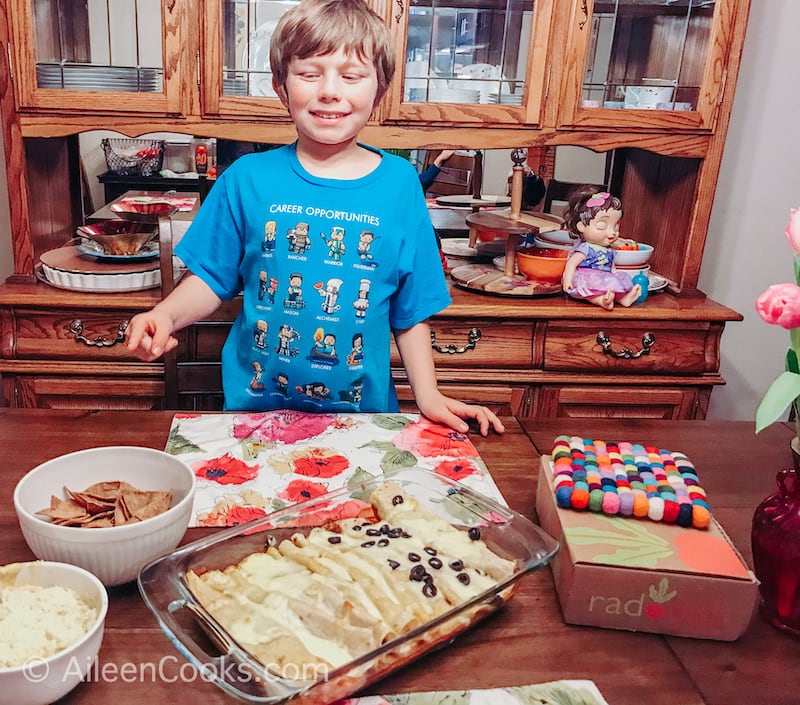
point(776, 553)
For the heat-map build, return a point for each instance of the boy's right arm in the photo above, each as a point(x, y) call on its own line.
point(150, 334)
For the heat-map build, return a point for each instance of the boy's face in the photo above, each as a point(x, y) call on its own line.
point(330, 97)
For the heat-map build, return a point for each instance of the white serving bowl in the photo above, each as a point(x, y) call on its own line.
point(633, 269)
point(114, 554)
point(43, 681)
point(633, 257)
point(542, 241)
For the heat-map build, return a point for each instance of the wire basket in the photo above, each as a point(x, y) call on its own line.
point(133, 157)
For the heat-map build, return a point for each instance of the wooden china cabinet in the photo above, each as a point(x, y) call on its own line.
point(648, 81)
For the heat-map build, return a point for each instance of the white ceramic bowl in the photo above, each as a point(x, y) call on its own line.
point(114, 554)
point(42, 681)
point(634, 257)
point(541, 241)
point(633, 269)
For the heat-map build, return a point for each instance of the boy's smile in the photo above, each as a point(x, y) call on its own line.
point(330, 97)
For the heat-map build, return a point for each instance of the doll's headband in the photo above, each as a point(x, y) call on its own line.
point(598, 199)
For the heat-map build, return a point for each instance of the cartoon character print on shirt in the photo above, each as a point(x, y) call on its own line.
point(286, 336)
point(281, 384)
point(324, 349)
point(330, 294)
point(272, 287)
point(294, 298)
point(262, 284)
point(255, 383)
point(260, 334)
point(313, 391)
point(299, 239)
point(364, 248)
point(335, 243)
point(356, 355)
point(353, 395)
point(270, 233)
point(361, 304)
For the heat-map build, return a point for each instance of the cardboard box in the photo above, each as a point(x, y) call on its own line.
point(643, 575)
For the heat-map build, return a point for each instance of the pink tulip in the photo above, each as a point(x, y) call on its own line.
point(793, 231)
point(780, 303)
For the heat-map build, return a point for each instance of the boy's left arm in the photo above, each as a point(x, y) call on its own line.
point(414, 345)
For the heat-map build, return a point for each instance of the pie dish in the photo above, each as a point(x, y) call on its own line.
point(169, 589)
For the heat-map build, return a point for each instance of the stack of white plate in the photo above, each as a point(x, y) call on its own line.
point(453, 95)
point(99, 78)
point(506, 98)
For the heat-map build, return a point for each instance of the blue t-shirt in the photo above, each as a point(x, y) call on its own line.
point(327, 268)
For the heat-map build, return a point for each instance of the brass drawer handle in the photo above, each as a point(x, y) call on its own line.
point(648, 340)
point(76, 328)
point(473, 336)
point(585, 11)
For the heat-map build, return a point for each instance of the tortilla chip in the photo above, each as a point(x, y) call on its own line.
point(105, 504)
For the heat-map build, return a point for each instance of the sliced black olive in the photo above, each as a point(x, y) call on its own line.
point(430, 551)
point(456, 565)
point(334, 539)
point(474, 533)
point(418, 573)
point(385, 529)
point(397, 499)
point(435, 563)
point(373, 532)
point(367, 544)
point(429, 590)
point(394, 533)
point(393, 564)
point(414, 557)
point(383, 542)
point(463, 578)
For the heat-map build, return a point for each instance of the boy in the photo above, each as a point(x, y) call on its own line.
point(332, 62)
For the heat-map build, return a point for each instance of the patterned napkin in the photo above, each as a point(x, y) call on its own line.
point(567, 692)
point(249, 465)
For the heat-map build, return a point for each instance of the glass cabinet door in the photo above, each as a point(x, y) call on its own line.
point(236, 71)
point(469, 62)
point(645, 63)
point(123, 54)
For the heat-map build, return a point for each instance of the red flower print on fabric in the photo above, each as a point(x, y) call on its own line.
point(320, 462)
point(284, 426)
point(225, 470)
point(456, 469)
point(301, 490)
point(429, 440)
point(233, 516)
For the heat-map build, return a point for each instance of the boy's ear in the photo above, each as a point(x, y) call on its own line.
point(281, 91)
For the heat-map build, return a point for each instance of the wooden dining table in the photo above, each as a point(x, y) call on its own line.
point(525, 642)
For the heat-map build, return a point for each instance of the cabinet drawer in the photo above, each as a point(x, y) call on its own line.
point(600, 402)
point(633, 348)
point(503, 400)
point(481, 343)
point(71, 392)
point(73, 335)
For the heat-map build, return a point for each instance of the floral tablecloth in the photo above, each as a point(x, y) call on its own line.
point(250, 464)
point(572, 692)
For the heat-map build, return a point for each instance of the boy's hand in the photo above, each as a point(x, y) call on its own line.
point(150, 335)
point(452, 413)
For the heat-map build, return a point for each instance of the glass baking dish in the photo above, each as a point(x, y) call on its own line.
point(207, 645)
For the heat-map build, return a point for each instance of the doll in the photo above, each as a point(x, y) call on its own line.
point(590, 273)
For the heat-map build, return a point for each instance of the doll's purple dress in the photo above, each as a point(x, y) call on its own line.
point(594, 275)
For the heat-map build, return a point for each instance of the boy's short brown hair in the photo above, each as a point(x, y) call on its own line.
point(319, 27)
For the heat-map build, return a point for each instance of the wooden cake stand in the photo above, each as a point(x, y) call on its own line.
point(511, 224)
